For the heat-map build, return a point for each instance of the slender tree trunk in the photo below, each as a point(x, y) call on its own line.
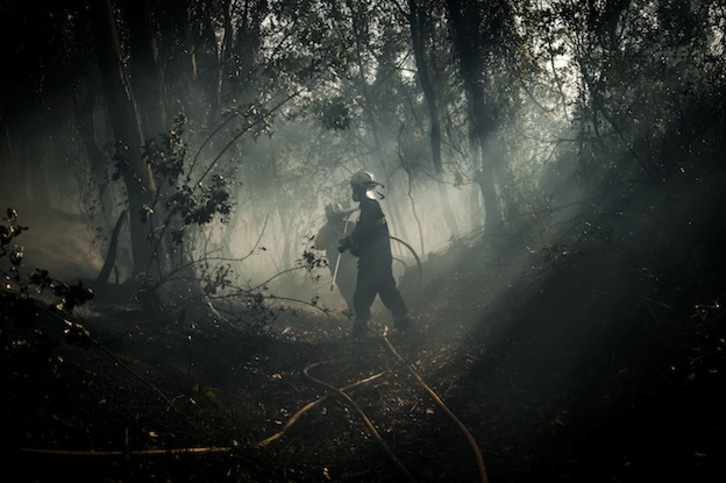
point(418, 25)
point(148, 86)
point(505, 182)
point(222, 63)
point(98, 161)
point(110, 261)
point(464, 20)
point(421, 239)
point(147, 79)
point(178, 48)
point(140, 185)
point(485, 179)
point(246, 47)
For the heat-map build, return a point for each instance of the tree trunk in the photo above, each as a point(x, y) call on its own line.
point(84, 106)
point(246, 48)
point(465, 20)
point(140, 185)
point(418, 22)
point(506, 183)
point(222, 64)
point(147, 82)
point(110, 261)
point(146, 76)
point(178, 48)
point(484, 177)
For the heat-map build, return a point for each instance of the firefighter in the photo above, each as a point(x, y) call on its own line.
point(337, 226)
point(370, 242)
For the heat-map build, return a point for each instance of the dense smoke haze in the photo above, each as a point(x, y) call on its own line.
point(551, 174)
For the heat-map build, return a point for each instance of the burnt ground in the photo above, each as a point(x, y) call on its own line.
point(566, 366)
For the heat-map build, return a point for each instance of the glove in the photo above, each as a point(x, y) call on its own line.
point(344, 244)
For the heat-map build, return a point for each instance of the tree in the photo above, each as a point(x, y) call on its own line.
point(485, 42)
point(124, 117)
point(419, 18)
point(147, 79)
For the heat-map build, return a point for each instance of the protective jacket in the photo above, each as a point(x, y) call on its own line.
point(370, 242)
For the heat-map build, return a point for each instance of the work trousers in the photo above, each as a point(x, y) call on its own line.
point(376, 278)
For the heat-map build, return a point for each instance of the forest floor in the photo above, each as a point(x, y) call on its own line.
point(551, 366)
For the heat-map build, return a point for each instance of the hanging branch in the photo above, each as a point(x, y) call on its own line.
point(244, 131)
point(206, 141)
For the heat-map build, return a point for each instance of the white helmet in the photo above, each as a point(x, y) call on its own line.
point(365, 181)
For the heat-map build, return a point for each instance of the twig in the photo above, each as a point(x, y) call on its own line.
point(242, 132)
point(141, 452)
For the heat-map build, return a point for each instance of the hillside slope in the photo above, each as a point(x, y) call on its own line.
point(565, 363)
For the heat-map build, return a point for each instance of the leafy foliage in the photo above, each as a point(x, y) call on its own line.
point(184, 201)
point(26, 300)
